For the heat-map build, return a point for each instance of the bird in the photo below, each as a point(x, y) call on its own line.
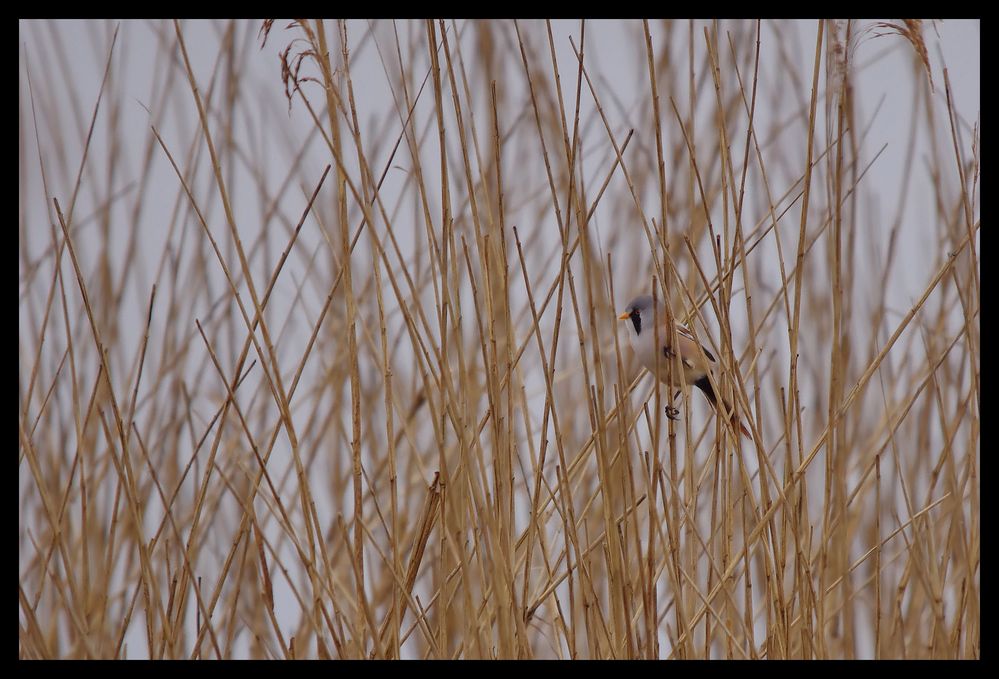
point(640, 311)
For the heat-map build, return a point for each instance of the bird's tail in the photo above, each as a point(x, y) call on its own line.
point(704, 384)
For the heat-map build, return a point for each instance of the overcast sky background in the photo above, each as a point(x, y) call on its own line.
point(72, 56)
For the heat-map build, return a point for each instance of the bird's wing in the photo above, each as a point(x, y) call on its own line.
point(688, 348)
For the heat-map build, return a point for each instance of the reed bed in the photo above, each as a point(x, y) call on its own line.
point(319, 353)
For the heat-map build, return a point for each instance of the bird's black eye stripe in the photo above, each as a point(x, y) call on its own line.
point(636, 319)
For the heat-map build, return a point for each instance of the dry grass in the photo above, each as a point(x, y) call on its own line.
point(347, 382)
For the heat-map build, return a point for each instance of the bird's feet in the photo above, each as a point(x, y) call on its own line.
point(672, 413)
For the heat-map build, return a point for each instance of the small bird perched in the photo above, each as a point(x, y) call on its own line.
point(695, 369)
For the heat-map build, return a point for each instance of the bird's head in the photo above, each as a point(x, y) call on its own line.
point(638, 311)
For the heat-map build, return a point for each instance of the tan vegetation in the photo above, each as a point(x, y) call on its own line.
point(379, 404)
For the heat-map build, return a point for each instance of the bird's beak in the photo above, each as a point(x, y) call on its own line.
point(623, 317)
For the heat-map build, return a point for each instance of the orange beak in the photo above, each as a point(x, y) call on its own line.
point(625, 316)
